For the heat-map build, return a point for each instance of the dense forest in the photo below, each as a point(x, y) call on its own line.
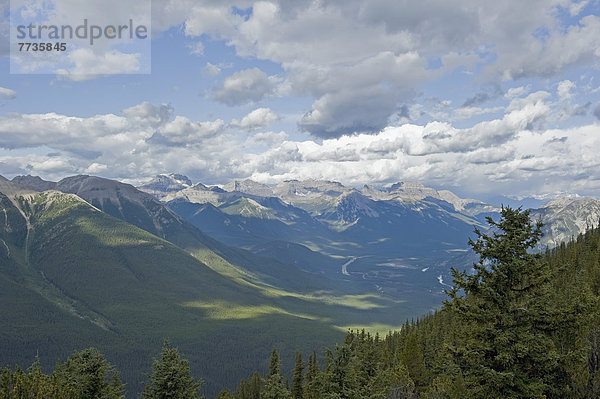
point(518, 325)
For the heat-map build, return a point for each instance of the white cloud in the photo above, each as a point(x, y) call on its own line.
point(89, 65)
point(576, 7)
point(149, 114)
point(513, 153)
point(196, 48)
point(185, 132)
point(260, 118)
point(564, 90)
point(249, 85)
point(517, 91)
point(469, 112)
point(96, 168)
point(7, 93)
point(366, 59)
point(211, 69)
point(267, 138)
point(82, 60)
point(528, 56)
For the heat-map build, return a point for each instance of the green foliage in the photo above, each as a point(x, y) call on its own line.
point(298, 377)
point(275, 386)
point(507, 349)
point(522, 325)
point(85, 374)
point(171, 377)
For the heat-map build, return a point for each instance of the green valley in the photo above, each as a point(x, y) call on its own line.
point(73, 276)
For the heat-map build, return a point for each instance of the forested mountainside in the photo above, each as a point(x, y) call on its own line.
point(72, 276)
point(520, 325)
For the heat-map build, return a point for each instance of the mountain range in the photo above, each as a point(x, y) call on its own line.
point(244, 213)
point(97, 262)
point(227, 271)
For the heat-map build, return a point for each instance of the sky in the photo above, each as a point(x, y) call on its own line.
point(480, 97)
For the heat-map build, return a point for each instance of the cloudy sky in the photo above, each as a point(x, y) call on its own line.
point(481, 97)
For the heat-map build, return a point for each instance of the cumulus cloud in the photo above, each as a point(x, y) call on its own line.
point(368, 59)
point(7, 93)
point(352, 99)
point(260, 118)
point(267, 138)
point(89, 65)
point(81, 60)
point(249, 85)
point(529, 56)
point(182, 131)
point(564, 90)
point(147, 113)
point(513, 152)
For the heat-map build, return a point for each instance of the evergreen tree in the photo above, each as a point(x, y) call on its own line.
point(224, 394)
point(312, 380)
point(340, 381)
point(274, 363)
point(171, 377)
point(412, 358)
point(275, 386)
point(508, 351)
point(39, 383)
point(86, 374)
point(298, 377)
point(255, 386)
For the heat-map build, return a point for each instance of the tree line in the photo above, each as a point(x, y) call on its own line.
point(88, 375)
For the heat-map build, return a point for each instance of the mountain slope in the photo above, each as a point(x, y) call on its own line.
point(74, 276)
point(161, 185)
point(146, 212)
point(566, 218)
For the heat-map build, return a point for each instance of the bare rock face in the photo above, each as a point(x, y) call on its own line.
point(35, 183)
point(565, 218)
point(164, 184)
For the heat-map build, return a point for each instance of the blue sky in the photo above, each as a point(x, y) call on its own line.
point(482, 98)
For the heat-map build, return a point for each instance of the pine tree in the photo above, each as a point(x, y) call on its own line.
point(508, 351)
point(171, 377)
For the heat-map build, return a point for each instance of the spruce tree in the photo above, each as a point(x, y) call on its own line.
point(507, 351)
point(275, 386)
point(86, 374)
point(298, 377)
point(274, 363)
point(312, 380)
point(171, 377)
point(412, 358)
